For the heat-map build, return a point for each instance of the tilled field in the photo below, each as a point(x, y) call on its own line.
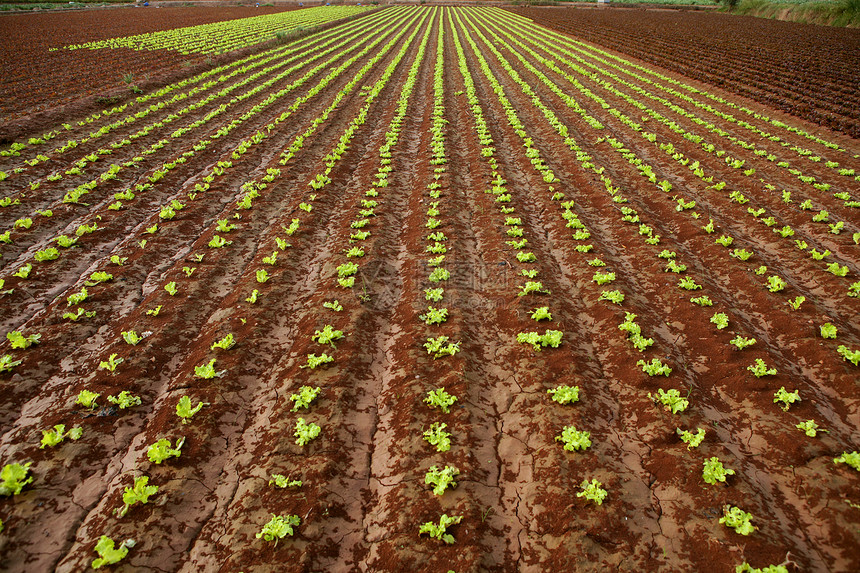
point(812, 72)
point(428, 199)
point(34, 78)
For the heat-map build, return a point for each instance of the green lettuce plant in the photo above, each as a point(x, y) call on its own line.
point(440, 531)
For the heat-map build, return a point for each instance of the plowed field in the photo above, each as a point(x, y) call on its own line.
point(34, 78)
point(812, 72)
point(591, 254)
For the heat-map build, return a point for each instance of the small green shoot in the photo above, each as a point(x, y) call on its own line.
point(185, 410)
point(305, 396)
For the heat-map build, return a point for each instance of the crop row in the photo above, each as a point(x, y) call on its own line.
point(220, 37)
point(653, 316)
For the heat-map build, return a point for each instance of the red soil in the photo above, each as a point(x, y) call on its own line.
point(363, 495)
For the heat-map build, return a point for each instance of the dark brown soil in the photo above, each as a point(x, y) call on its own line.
point(812, 72)
point(363, 496)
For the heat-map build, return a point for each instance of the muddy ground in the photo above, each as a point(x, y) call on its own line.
point(363, 495)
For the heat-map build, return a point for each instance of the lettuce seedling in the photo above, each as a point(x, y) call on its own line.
point(671, 399)
point(786, 397)
point(439, 531)
point(207, 371)
point(433, 294)
point(759, 369)
point(775, 283)
point(740, 342)
point(327, 335)
point(655, 367)
point(57, 434)
point(23, 272)
point(441, 479)
point(436, 261)
point(795, 304)
point(551, 338)
point(294, 226)
point(108, 554)
point(438, 275)
point(713, 471)
point(111, 363)
point(703, 300)
point(225, 343)
point(747, 568)
point(163, 450)
point(603, 278)
point(592, 491)
point(314, 360)
point(828, 330)
point(253, 298)
point(138, 493)
point(305, 432)
point(77, 298)
point(634, 332)
point(334, 305)
point(852, 356)
point(124, 399)
point(283, 481)
point(440, 346)
point(692, 440)
point(437, 436)
point(614, 296)
point(13, 478)
point(49, 254)
point(564, 394)
point(541, 313)
point(532, 286)
point(171, 288)
point(347, 269)
point(224, 226)
point(185, 410)
point(687, 283)
point(741, 254)
point(98, 277)
point(852, 459)
point(18, 340)
point(132, 337)
point(724, 240)
point(262, 275)
point(837, 269)
point(87, 399)
point(218, 242)
point(441, 399)
point(574, 439)
point(810, 428)
point(279, 527)
point(526, 256)
point(7, 364)
point(737, 519)
point(304, 398)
